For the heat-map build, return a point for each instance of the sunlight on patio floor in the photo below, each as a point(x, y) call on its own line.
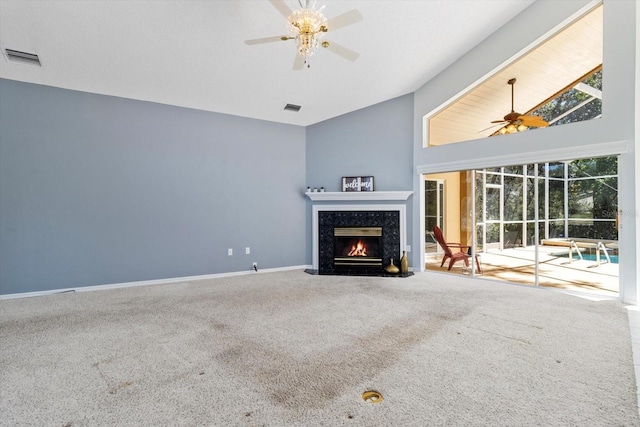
point(517, 265)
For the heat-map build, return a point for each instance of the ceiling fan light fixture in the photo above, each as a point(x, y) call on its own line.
point(512, 128)
point(307, 44)
point(516, 121)
point(307, 26)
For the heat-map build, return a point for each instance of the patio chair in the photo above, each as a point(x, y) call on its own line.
point(463, 252)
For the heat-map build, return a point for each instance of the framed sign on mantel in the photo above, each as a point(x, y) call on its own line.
point(357, 183)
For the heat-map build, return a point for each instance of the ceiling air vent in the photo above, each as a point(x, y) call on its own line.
point(292, 107)
point(27, 58)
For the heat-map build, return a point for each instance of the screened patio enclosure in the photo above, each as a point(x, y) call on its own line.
point(549, 224)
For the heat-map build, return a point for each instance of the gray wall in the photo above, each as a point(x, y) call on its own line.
point(374, 141)
point(101, 190)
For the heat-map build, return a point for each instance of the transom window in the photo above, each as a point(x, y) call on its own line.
point(560, 80)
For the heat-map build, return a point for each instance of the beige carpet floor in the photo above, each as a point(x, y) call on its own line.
point(293, 349)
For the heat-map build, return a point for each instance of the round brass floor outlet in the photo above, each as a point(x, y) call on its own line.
point(372, 396)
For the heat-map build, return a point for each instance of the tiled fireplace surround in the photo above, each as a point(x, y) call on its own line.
point(392, 217)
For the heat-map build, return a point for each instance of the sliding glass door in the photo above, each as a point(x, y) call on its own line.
point(433, 211)
point(548, 224)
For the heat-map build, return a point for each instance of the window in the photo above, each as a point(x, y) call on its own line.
point(560, 80)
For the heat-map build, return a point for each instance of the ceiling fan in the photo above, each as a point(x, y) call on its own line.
point(516, 122)
point(307, 26)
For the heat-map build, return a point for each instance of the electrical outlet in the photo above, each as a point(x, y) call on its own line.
point(247, 250)
point(230, 252)
point(408, 248)
point(254, 265)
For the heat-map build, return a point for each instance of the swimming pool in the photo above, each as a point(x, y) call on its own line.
point(591, 257)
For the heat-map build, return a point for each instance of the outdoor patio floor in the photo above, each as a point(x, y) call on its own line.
point(517, 265)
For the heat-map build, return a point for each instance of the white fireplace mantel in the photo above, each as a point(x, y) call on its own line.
point(352, 196)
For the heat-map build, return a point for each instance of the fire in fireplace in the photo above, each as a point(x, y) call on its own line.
point(357, 247)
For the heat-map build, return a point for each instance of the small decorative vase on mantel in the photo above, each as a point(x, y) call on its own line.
point(391, 268)
point(404, 263)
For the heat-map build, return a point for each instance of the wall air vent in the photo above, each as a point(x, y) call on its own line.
point(292, 107)
point(24, 57)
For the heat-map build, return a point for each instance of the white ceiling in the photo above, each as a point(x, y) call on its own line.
point(192, 53)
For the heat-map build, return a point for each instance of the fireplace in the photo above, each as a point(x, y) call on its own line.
point(357, 247)
point(357, 242)
point(352, 209)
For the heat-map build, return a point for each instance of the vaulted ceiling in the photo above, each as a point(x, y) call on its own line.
point(541, 73)
point(192, 53)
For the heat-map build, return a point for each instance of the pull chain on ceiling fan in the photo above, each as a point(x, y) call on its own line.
point(516, 122)
point(307, 26)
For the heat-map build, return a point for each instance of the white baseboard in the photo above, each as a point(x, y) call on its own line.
point(148, 282)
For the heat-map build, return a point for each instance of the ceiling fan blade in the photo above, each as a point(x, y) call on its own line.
point(267, 40)
point(499, 121)
point(298, 62)
point(491, 127)
point(340, 50)
point(347, 18)
point(533, 121)
point(282, 7)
